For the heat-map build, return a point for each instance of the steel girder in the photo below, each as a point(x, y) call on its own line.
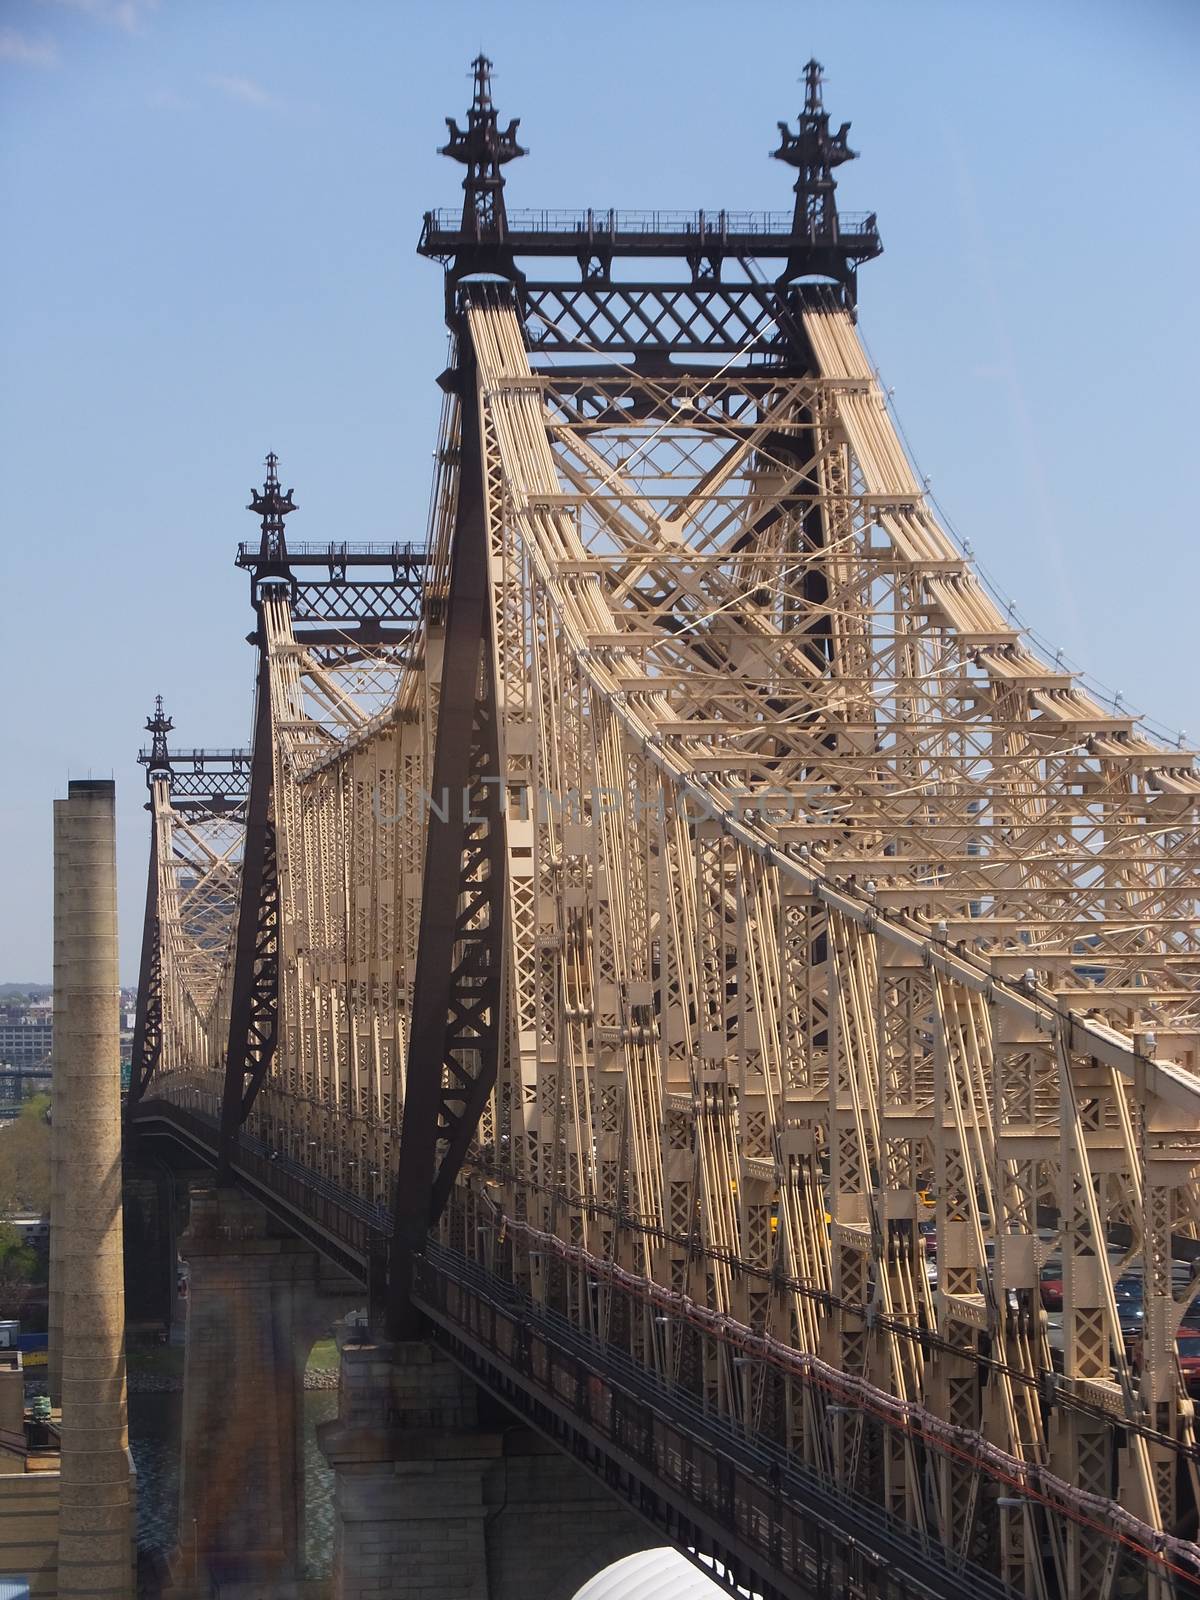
point(759, 736)
point(454, 1031)
point(148, 1016)
point(736, 656)
point(319, 686)
point(197, 810)
point(254, 1008)
point(807, 891)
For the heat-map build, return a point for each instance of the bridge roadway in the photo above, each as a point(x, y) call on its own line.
point(775, 1526)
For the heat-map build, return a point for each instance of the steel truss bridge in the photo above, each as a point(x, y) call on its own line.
point(639, 900)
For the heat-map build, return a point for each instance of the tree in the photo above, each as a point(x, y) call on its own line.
point(18, 1262)
point(25, 1160)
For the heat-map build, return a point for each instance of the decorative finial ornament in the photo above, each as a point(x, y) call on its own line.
point(481, 71)
point(483, 148)
point(272, 505)
point(814, 152)
point(812, 86)
point(158, 727)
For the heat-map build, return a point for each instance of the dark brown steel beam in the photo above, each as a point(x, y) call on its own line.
point(254, 1010)
point(453, 1031)
point(147, 1021)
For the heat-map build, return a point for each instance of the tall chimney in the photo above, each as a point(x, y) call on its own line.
point(59, 1100)
point(95, 1552)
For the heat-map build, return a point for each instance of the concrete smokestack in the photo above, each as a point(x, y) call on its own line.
point(59, 1100)
point(95, 1515)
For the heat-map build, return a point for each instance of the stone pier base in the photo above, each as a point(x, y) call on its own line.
point(258, 1298)
point(433, 1503)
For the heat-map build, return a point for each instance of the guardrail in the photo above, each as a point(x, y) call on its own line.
point(349, 1229)
point(704, 224)
point(778, 1527)
point(199, 758)
point(407, 553)
point(552, 1383)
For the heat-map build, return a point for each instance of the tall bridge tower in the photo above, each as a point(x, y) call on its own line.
point(694, 959)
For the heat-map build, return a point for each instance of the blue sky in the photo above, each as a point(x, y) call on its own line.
point(211, 216)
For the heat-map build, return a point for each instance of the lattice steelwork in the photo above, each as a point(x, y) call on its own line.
point(823, 895)
point(197, 808)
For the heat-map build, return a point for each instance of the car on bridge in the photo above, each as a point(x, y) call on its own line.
point(1187, 1350)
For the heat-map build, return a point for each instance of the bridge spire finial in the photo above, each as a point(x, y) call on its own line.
point(483, 148)
point(272, 505)
point(158, 727)
point(814, 151)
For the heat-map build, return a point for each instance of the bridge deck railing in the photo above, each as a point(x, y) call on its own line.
point(481, 1304)
point(793, 1530)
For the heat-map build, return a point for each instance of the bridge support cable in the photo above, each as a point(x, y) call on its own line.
point(454, 1030)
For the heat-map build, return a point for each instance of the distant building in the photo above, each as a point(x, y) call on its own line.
point(33, 1231)
point(26, 1036)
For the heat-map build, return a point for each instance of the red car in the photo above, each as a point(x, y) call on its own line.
point(1187, 1348)
point(1050, 1281)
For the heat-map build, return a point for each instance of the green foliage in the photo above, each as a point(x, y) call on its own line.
point(18, 1263)
point(323, 1357)
point(25, 1160)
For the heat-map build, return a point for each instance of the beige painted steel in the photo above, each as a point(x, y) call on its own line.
point(59, 1102)
point(96, 1502)
point(199, 879)
point(814, 837)
point(825, 889)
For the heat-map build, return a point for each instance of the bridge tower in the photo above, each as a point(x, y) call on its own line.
point(147, 1022)
point(254, 1006)
point(716, 964)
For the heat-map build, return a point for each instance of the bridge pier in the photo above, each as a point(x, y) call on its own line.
point(150, 1243)
point(437, 1500)
point(256, 1303)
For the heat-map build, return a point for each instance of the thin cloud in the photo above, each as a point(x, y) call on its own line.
point(25, 52)
point(124, 14)
point(245, 91)
point(167, 100)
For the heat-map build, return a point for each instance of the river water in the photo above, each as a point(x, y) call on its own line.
point(154, 1424)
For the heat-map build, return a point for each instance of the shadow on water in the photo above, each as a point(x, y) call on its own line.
point(154, 1423)
point(154, 1427)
